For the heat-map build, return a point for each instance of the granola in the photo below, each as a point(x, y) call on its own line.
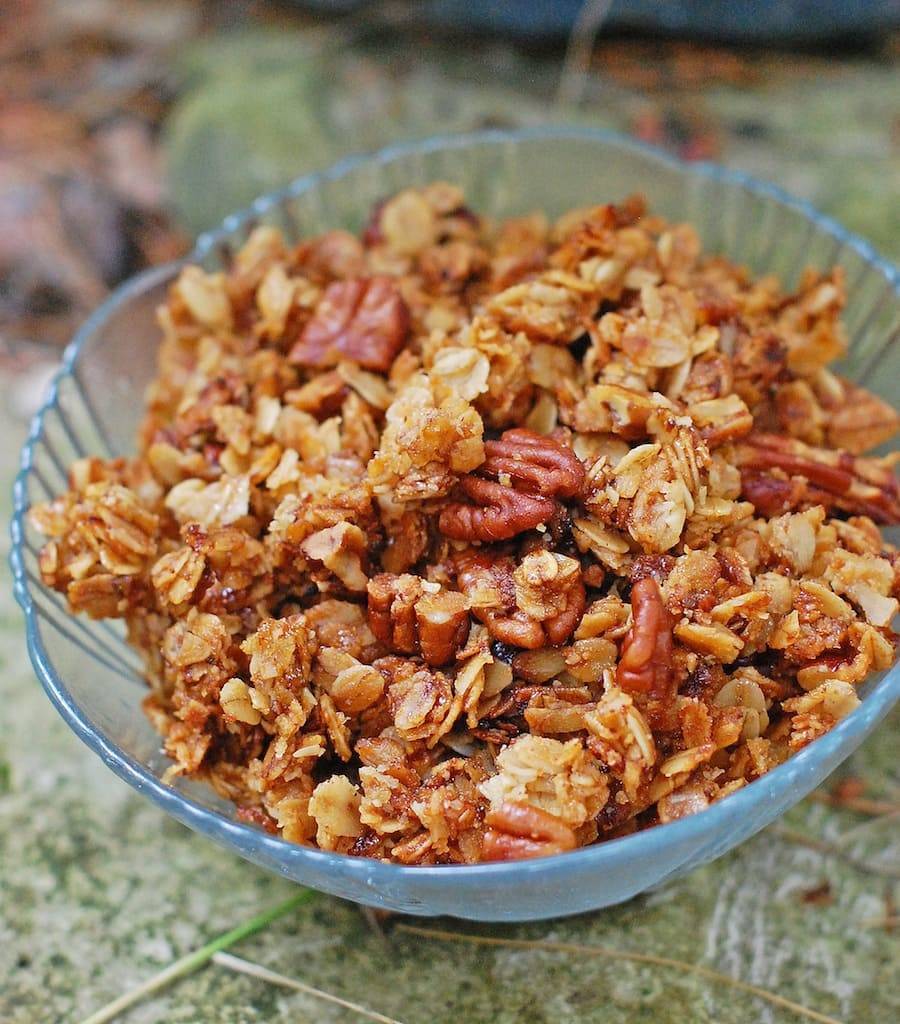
point(462, 541)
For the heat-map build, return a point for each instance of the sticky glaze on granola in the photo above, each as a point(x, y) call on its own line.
point(463, 541)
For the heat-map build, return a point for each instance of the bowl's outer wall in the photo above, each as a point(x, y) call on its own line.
point(93, 677)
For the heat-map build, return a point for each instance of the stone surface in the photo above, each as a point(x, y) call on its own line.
point(99, 890)
point(826, 130)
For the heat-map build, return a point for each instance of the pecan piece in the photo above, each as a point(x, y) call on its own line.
point(442, 621)
point(499, 513)
point(507, 607)
point(857, 419)
point(517, 831)
point(535, 463)
point(392, 610)
point(771, 465)
point(365, 320)
point(645, 665)
point(342, 550)
point(489, 585)
point(549, 588)
point(531, 471)
point(409, 620)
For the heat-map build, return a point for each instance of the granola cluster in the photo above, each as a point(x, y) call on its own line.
point(461, 541)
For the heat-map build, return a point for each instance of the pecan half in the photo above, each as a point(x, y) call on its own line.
point(645, 665)
point(518, 831)
point(779, 474)
point(549, 588)
point(499, 513)
point(365, 320)
point(535, 463)
point(489, 582)
point(531, 471)
point(408, 620)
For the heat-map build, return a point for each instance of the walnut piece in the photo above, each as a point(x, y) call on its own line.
point(364, 320)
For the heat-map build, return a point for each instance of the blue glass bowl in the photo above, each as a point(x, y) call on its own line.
point(93, 678)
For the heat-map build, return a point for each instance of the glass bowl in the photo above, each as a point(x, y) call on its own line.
point(93, 678)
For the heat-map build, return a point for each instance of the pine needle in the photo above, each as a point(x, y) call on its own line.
point(190, 962)
point(235, 963)
point(618, 954)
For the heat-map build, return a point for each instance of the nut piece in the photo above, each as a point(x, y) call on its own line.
point(611, 408)
point(488, 583)
point(531, 606)
point(205, 298)
point(519, 831)
point(860, 420)
point(721, 419)
point(780, 474)
point(561, 779)
point(426, 443)
point(335, 807)
point(531, 470)
point(408, 620)
point(499, 513)
point(549, 589)
point(534, 463)
point(442, 621)
point(365, 320)
point(357, 688)
point(392, 617)
point(645, 665)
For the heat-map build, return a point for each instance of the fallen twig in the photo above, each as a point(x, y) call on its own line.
point(864, 826)
point(888, 923)
point(860, 804)
point(618, 954)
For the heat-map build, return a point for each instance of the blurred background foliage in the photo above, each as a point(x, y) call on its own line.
point(130, 125)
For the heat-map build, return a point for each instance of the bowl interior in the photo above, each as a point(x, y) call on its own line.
point(94, 677)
